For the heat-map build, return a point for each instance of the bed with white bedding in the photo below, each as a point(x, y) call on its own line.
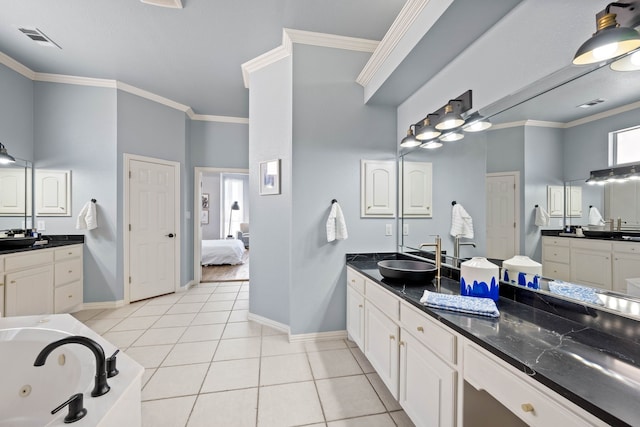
point(224, 251)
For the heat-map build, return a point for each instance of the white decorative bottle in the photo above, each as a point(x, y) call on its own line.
point(523, 271)
point(479, 278)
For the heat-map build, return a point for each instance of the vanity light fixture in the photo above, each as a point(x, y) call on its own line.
point(611, 38)
point(613, 175)
point(5, 157)
point(426, 130)
point(451, 118)
point(454, 135)
point(409, 141)
point(476, 123)
point(432, 145)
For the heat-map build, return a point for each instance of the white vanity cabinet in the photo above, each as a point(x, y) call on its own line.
point(355, 308)
point(556, 257)
point(591, 263)
point(626, 264)
point(43, 281)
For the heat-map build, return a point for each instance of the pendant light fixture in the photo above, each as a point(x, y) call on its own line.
point(629, 62)
point(610, 39)
point(5, 157)
point(409, 141)
point(476, 123)
point(427, 131)
point(432, 145)
point(451, 119)
point(454, 135)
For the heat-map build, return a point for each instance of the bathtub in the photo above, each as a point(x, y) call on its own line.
point(29, 393)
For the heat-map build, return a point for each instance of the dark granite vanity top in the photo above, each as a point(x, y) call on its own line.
point(590, 357)
point(53, 241)
point(619, 236)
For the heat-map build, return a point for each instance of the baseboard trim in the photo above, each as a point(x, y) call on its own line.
point(318, 336)
point(268, 322)
point(103, 305)
point(190, 284)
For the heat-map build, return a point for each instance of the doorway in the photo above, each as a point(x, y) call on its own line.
point(221, 226)
point(503, 213)
point(152, 219)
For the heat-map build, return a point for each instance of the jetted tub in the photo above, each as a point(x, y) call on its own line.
point(29, 393)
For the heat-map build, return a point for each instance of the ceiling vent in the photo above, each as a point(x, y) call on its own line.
point(175, 4)
point(591, 103)
point(39, 37)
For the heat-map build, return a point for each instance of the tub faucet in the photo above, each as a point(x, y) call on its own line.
point(101, 387)
point(438, 250)
point(458, 243)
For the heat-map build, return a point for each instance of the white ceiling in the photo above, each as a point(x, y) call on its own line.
point(190, 55)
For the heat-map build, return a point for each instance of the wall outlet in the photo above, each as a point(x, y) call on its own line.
point(41, 226)
point(388, 230)
point(405, 229)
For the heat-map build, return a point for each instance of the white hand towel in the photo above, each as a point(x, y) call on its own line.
point(336, 226)
point(87, 218)
point(542, 217)
point(594, 216)
point(461, 222)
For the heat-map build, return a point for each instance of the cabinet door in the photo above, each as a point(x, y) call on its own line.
point(53, 193)
point(378, 189)
point(625, 266)
point(574, 201)
point(427, 385)
point(555, 201)
point(416, 189)
point(591, 267)
point(381, 346)
point(15, 191)
point(29, 292)
point(355, 316)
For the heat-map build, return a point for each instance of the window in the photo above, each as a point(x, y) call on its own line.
point(625, 146)
point(235, 188)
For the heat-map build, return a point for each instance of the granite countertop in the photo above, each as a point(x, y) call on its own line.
point(618, 236)
point(53, 241)
point(598, 371)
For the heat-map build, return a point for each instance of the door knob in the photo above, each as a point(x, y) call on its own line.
point(170, 235)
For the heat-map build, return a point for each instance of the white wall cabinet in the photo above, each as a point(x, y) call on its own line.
point(15, 191)
point(43, 281)
point(53, 192)
point(416, 189)
point(377, 189)
point(555, 201)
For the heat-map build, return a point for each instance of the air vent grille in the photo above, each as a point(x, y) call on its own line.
point(176, 4)
point(39, 37)
point(591, 103)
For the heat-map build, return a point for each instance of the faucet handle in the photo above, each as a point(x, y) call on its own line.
point(77, 411)
point(112, 371)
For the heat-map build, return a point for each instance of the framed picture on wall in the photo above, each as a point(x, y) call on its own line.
point(205, 200)
point(270, 177)
point(204, 217)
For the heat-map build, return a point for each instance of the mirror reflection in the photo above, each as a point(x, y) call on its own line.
point(544, 143)
point(16, 195)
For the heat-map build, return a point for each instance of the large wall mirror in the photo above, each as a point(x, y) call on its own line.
point(552, 133)
point(16, 198)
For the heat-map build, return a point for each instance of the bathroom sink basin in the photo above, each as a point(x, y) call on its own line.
point(407, 270)
point(16, 242)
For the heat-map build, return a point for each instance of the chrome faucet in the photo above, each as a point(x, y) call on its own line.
point(100, 387)
point(458, 243)
point(438, 257)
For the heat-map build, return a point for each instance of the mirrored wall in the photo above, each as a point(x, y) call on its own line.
point(16, 195)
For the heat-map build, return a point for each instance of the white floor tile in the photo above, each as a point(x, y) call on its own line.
point(348, 397)
point(279, 344)
point(243, 295)
point(325, 345)
point(242, 330)
point(191, 298)
point(284, 369)
point(149, 356)
point(100, 326)
point(174, 320)
point(235, 408)
point(383, 393)
point(146, 376)
point(224, 288)
point(380, 420)
point(402, 419)
point(174, 381)
point(268, 330)
point(160, 336)
point(211, 317)
point(85, 315)
point(135, 323)
point(242, 304)
point(333, 363)
point(193, 307)
point(202, 290)
point(217, 306)
point(122, 339)
point(191, 352)
point(167, 412)
point(362, 360)
point(165, 299)
point(152, 310)
point(119, 313)
point(239, 316)
point(202, 333)
point(222, 297)
point(231, 375)
point(239, 348)
point(289, 405)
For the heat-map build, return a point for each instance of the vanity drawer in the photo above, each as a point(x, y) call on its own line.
point(432, 335)
point(627, 247)
point(590, 244)
point(556, 241)
point(67, 271)
point(556, 270)
point(557, 254)
point(387, 303)
point(67, 296)
point(505, 384)
point(25, 260)
point(67, 252)
point(356, 280)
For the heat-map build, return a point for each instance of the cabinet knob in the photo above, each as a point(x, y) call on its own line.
point(420, 329)
point(69, 253)
point(527, 407)
point(13, 281)
point(353, 280)
point(360, 305)
point(402, 343)
point(70, 271)
point(70, 296)
point(392, 337)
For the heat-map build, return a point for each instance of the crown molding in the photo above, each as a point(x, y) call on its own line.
point(16, 66)
point(268, 58)
point(603, 115)
point(74, 80)
point(401, 25)
point(219, 119)
point(151, 96)
point(534, 123)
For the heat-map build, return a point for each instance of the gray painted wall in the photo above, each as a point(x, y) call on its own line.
point(75, 129)
point(16, 113)
point(211, 185)
point(221, 145)
point(270, 136)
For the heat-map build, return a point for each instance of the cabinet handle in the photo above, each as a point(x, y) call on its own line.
point(70, 271)
point(70, 296)
point(353, 280)
point(402, 343)
point(392, 337)
point(13, 281)
point(420, 329)
point(527, 407)
point(69, 253)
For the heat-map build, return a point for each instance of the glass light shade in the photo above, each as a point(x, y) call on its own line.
point(628, 63)
point(451, 136)
point(606, 44)
point(409, 141)
point(427, 131)
point(477, 125)
point(450, 120)
point(432, 145)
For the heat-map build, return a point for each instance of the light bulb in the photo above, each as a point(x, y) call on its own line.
point(606, 51)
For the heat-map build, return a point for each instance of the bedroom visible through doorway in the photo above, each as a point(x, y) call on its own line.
point(222, 207)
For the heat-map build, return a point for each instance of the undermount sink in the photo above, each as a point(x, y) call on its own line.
point(407, 270)
point(16, 242)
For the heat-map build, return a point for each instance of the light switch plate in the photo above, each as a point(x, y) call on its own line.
point(405, 229)
point(388, 230)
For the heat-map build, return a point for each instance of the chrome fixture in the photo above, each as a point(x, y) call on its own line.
point(629, 62)
point(615, 174)
point(5, 157)
point(409, 141)
point(438, 257)
point(612, 38)
point(234, 207)
point(427, 131)
point(458, 243)
point(100, 387)
point(451, 118)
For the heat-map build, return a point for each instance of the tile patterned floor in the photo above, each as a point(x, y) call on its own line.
point(207, 365)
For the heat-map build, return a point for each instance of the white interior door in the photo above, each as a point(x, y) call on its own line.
point(152, 236)
point(502, 241)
